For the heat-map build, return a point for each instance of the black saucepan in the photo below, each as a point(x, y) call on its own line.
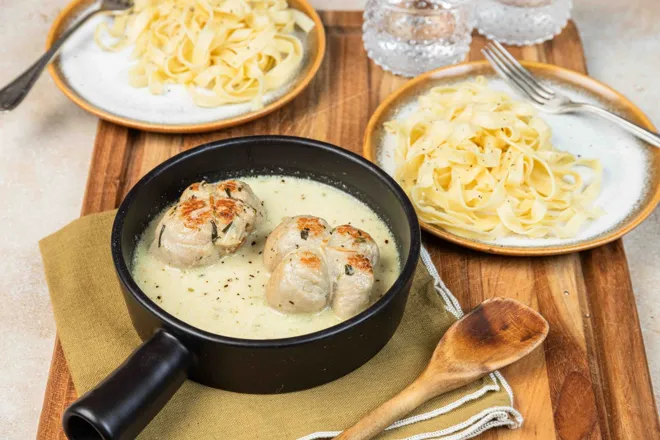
point(173, 351)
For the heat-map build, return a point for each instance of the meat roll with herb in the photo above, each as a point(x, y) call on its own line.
point(300, 283)
point(209, 222)
point(351, 254)
point(304, 231)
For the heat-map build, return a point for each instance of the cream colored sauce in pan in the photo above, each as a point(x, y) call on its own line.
point(228, 298)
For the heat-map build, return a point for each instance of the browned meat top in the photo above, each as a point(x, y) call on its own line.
point(359, 235)
point(360, 262)
point(311, 224)
point(226, 209)
point(311, 260)
point(230, 186)
point(189, 210)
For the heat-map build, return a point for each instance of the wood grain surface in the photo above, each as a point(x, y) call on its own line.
point(591, 381)
point(496, 333)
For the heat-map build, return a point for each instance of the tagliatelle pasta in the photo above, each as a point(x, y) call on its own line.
point(224, 51)
point(481, 165)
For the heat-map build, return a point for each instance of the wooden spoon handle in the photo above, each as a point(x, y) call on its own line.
point(494, 335)
point(389, 412)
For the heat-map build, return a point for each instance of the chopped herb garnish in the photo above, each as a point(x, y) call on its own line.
point(160, 236)
point(226, 228)
point(348, 269)
point(190, 289)
point(304, 234)
point(360, 240)
point(228, 192)
point(214, 232)
point(292, 303)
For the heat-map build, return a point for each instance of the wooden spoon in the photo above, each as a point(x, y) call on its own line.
point(495, 334)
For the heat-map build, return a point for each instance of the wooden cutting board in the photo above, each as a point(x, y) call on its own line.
point(591, 380)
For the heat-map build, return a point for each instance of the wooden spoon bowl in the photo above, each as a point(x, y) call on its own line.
point(495, 334)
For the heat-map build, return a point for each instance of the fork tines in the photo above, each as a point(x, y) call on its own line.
point(515, 74)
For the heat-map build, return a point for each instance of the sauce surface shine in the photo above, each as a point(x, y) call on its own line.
point(228, 298)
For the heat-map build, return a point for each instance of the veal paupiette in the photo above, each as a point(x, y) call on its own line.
point(226, 290)
point(314, 266)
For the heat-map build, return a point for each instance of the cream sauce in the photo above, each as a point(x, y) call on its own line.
point(228, 298)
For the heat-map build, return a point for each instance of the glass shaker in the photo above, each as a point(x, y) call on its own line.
point(522, 22)
point(414, 36)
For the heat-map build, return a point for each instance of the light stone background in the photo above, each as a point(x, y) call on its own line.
point(45, 150)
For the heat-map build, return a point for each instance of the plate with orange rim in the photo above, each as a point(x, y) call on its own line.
point(631, 168)
point(97, 81)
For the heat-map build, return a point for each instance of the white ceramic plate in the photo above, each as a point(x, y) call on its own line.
point(97, 80)
point(631, 178)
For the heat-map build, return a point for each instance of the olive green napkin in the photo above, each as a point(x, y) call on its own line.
point(96, 335)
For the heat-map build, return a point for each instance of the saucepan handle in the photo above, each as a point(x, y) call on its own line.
point(126, 401)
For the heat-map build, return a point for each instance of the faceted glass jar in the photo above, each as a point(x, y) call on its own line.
point(412, 37)
point(522, 22)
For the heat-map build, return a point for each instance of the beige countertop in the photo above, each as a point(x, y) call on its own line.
point(46, 145)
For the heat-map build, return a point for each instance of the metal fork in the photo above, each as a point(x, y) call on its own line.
point(14, 93)
point(548, 100)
